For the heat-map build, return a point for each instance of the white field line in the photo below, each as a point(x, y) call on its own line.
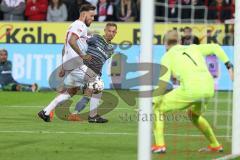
point(37, 106)
point(102, 133)
point(118, 108)
point(228, 157)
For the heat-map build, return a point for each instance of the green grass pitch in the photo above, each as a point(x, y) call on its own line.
point(23, 136)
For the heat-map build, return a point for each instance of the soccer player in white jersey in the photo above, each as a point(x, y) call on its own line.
point(74, 53)
point(100, 49)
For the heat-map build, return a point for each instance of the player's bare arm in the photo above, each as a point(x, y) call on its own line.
point(62, 72)
point(229, 66)
point(63, 50)
point(73, 43)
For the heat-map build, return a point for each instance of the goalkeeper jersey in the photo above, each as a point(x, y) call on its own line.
point(188, 62)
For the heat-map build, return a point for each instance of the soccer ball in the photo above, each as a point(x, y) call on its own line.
point(97, 86)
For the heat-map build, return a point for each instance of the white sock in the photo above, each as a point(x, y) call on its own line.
point(94, 102)
point(56, 101)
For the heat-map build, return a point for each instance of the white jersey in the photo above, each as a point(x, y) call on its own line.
point(80, 30)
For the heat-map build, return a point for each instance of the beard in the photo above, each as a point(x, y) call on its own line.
point(87, 23)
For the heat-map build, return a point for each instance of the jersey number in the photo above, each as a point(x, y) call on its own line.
point(184, 53)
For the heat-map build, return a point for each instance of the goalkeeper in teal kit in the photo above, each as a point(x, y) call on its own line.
point(188, 65)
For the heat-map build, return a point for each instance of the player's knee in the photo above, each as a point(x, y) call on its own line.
point(193, 116)
point(72, 91)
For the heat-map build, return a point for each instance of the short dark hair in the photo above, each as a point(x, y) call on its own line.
point(187, 28)
point(111, 24)
point(4, 50)
point(87, 7)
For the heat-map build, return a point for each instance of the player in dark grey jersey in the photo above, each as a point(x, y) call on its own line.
point(100, 49)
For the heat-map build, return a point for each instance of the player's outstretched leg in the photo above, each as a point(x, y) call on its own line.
point(81, 104)
point(203, 125)
point(45, 113)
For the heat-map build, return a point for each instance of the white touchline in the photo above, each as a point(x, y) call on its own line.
point(117, 108)
point(102, 133)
